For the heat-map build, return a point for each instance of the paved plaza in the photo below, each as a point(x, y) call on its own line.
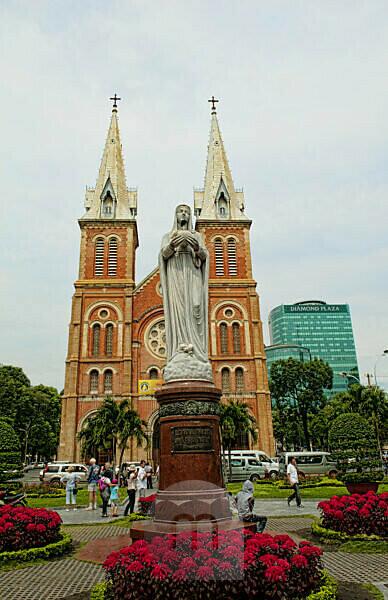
point(73, 577)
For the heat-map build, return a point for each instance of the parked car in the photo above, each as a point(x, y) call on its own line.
point(244, 468)
point(268, 463)
point(309, 463)
point(56, 471)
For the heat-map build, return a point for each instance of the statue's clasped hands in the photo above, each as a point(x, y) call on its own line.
point(184, 238)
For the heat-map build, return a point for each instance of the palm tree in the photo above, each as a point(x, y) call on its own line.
point(113, 425)
point(235, 419)
point(131, 426)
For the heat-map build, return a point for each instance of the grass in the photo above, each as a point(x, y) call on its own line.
point(365, 547)
point(373, 591)
point(82, 499)
point(264, 491)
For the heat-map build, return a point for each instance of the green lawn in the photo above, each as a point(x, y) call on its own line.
point(272, 491)
point(82, 500)
point(261, 491)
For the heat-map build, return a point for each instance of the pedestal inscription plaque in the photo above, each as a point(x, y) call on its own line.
point(191, 439)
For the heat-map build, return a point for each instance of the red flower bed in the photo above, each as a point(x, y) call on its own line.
point(22, 527)
point(357, 514)
point(233, 565)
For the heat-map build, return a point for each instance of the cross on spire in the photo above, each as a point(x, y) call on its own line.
point(115, 98)
point(213, 101)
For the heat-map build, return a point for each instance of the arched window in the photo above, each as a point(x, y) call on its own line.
point(107, 207)
point(108, 381)
point(109, 339)
point(96, 336)
point(112, 258)
point(93, 382)
point(224, 338)
point(153, 374)
point(223, 206)
point(232, 257)
point(99, 257)
point(236, 338)
point(239, 380)
point(219, 255)
point(225, 380)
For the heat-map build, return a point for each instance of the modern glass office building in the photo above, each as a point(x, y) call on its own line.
point(284, 351)
point(324, 329)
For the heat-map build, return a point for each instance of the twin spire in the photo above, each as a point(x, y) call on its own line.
point(111, 199)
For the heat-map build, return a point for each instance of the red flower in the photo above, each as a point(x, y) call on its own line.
point(275, 574)
point(135, 566)
point(160, 571)
point(205, 573)
point(299, 561)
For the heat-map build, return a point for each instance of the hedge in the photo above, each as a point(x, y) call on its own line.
point(337, 536)
point(51, 550)
point(327, 591)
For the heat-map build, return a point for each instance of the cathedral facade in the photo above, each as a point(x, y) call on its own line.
point(117, 338)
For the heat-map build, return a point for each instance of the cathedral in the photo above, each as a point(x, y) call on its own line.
point(116, 343)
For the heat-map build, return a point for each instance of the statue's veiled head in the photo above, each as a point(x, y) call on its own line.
point(182, 219)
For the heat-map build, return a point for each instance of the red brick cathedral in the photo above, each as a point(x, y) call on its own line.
point(117, 339)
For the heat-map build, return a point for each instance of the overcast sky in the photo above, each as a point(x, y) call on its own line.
point(303, 110)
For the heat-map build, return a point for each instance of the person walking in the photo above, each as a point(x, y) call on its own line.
point(71, 478)
point(142, 479)
point(245, 502)
point(131, 490)
point(148, 470)
point(114, 498)
point(93, 477)
point(293, 480)
point(104, 484)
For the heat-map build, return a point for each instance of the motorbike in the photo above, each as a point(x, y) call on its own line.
point(12, 498)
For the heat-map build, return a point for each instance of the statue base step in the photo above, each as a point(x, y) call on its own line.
point(146, 530)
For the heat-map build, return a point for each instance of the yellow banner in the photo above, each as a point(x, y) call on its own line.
point(148, 387)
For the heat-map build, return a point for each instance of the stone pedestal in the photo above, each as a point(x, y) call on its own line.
point(191, 487)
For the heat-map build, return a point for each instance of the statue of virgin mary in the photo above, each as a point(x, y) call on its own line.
point(184, 275)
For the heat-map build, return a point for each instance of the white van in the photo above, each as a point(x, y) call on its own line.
point(309, 463)
point(271, 467)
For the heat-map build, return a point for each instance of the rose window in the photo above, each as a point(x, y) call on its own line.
point(156, 339)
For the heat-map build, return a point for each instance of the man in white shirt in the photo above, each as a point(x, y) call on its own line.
point(142, 479)
point(293, 480)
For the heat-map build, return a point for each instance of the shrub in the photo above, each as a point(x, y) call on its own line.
point(10, 457)
point(22, 527)
point(354, 448)
point(147, 505)
point(356, 514)
point(231, 565)
point(58, 548)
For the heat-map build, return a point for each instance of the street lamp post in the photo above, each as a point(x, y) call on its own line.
point(385, 353)
point(349, 376)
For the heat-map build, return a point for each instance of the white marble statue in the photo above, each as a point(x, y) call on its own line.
point(184, 275)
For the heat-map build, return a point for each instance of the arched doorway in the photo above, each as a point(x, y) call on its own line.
point(101, 454)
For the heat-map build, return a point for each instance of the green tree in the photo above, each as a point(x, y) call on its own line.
point(10, 462)
point(321, 422)
point(112, 427)
point(354, 447)
point(34, 412)
point(235, 419)
point(300, 385)
point(12, 383)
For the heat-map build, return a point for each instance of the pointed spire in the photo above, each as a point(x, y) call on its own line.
point(111, 183)
point(219, 199)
